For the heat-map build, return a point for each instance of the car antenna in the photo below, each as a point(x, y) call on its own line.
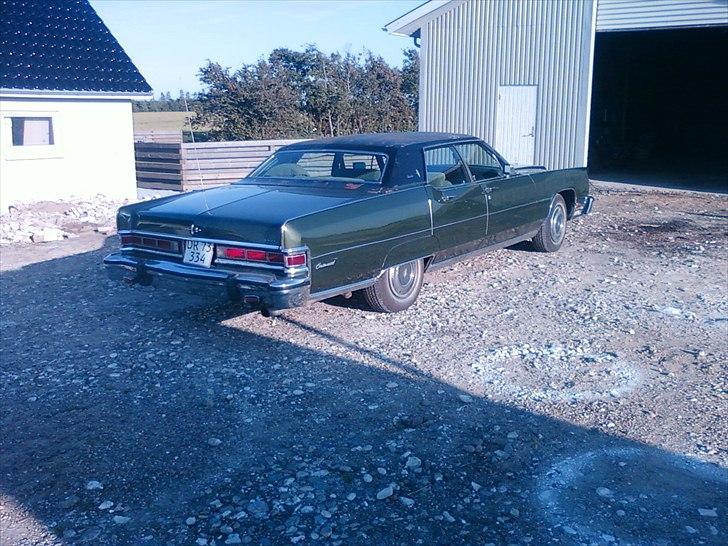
point(192, 135)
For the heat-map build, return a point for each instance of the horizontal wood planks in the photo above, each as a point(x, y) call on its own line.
point(158, 165)
point(185, 166)
point(167, 137)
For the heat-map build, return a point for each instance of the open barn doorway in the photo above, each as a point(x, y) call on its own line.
point(659, 112)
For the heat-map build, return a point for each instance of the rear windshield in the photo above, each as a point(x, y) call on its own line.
point(324, 165)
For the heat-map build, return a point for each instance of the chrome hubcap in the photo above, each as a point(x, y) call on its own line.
point(402, 279)
point(558, 224)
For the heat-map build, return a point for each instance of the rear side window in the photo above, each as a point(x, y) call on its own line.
point(481, 162)
point(444, 168)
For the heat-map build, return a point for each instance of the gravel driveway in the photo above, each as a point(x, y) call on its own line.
point(572, 398)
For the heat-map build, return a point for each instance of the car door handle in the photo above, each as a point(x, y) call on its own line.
point(446, 198)
point(487, 189)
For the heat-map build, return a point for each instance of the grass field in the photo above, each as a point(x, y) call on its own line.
point(161, 121)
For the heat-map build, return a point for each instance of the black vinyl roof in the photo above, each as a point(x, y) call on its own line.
point(378, 141)
point(62, 45)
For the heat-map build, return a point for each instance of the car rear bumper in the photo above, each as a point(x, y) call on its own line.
point(257, 289)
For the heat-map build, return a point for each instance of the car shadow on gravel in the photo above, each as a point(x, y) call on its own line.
point(131, 416)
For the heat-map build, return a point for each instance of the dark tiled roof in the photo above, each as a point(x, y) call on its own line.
point(62, 45)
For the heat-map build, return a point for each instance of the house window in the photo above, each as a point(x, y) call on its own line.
point(32, 131)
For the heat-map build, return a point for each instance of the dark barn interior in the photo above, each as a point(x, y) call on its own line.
point(659, 110)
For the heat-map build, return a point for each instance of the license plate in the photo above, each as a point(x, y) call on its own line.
point(198, 253)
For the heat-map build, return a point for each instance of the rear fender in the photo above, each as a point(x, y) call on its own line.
point(422, 247)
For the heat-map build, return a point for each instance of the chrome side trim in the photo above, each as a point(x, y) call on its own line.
point(461, 221)
point(482, 250)
point(331, 292)
point(242, 263)
point(432, 222)
point(524, 205)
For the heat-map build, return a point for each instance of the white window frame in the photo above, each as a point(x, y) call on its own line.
point(39, 151)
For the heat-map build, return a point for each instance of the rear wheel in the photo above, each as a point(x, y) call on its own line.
point(553, 230)
point(396, 288)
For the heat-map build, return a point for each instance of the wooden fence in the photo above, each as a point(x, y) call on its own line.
point(187, 166)
point(169, 137)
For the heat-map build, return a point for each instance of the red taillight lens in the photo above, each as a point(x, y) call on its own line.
point(234, 253)
point(295, 260)
point(149, 242)
point(256, 255)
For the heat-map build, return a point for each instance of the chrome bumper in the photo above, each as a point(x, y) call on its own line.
point(256, 289)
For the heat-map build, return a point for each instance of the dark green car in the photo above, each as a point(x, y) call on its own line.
point(327, 217)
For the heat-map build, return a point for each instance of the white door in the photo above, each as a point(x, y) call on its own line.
point(515, 123)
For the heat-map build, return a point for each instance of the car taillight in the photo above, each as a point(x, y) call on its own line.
point(255, 255)
point(127, 240)
point(274, 257)
point(233, 253)
point(165, 245)
point(150, 243)
point(295, 260)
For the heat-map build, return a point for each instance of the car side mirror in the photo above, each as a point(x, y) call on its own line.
point(508, 169)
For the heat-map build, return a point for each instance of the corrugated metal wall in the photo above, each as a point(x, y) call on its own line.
point(468, 52)
point(645, 14)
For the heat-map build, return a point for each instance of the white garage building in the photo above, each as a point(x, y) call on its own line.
point(66, 87)
point(623, 85)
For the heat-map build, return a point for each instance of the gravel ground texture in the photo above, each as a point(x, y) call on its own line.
point(569, 398)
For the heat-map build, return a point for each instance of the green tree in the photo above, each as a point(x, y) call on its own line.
point(308, 93)
point(411, 79)
point(250, 103)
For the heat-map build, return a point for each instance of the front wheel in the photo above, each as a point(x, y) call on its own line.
point(396, 288)
point(553, 230)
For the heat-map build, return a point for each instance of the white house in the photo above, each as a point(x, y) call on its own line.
point(66, 87)
point(633, 86)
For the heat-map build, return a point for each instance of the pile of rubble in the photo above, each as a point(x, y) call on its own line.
point(56, 220)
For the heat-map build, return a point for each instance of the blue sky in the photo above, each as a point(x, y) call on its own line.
point(169, 40)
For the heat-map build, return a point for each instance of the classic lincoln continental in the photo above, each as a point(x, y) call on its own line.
point(329, 217)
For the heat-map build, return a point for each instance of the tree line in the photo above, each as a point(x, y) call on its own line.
point(165, 103)
point(303, 94)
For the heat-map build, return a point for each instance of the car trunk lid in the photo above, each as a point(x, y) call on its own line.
point(239, 212)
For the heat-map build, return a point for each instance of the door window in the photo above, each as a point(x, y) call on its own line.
point(481, 162)
point(444, 168)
